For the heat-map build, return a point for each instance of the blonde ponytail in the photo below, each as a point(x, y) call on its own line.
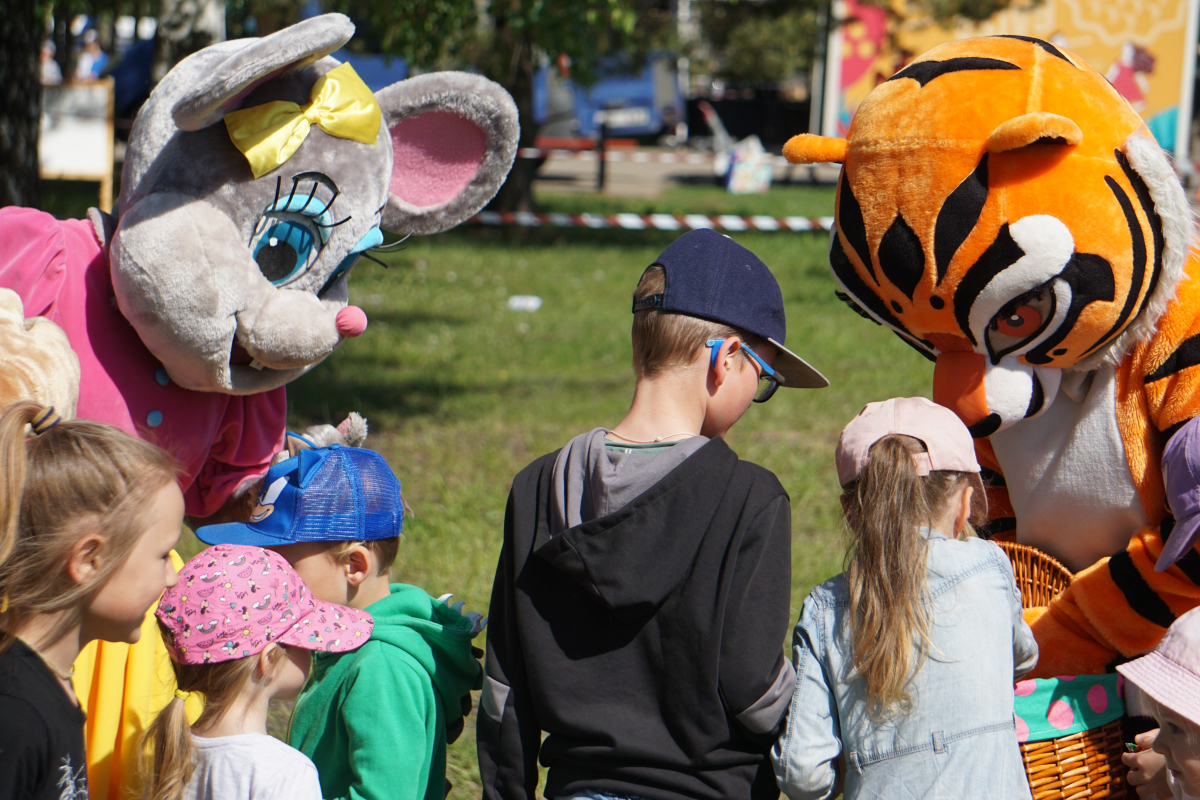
point(70, 479)
point(886, 562)
point(171, 758)
point(174, 755)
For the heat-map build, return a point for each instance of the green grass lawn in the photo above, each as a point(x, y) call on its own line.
point(461, 393)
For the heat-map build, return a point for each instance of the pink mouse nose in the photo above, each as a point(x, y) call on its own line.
point(351, 321)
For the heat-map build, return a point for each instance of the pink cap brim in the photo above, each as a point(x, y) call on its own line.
point(1173, 685)
point(329, 629)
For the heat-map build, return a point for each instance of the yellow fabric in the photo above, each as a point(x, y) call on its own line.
point(122, 688)
point(342, 105)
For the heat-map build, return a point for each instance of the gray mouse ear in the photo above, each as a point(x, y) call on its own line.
point(222, 89)
point(454, 138)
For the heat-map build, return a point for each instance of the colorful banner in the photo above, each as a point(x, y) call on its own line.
point(1146, 48)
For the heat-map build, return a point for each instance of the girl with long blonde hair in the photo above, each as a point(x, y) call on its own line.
point(906, 661)
point(88, 518)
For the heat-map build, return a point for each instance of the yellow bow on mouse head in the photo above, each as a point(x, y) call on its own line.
point(341, 105)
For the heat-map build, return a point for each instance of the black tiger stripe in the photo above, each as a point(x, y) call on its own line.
point(958, 216)
point(901, 257)
point(1165, 434)
point(1189, 562)
point(1001, 254)
point(1139, 262)
point(996, 526)
point(924, 71)
point(1156, 227)
point(1042, 43)
point(992, 478)
point(1138, 594)
point(1186, 355)
point(860, 293)
point(1091, 278)
point(850, 223)
point(1036, 398)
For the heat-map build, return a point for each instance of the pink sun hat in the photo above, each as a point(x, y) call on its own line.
point(947, 440)
point(1170, 673)
point(233, 600)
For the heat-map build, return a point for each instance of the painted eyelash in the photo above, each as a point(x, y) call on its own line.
point(391, 248)
point(316, 217)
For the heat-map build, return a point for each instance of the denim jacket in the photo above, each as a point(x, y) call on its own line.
point(958, 739)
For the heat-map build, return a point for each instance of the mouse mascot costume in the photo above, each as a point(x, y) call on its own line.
point(1005, 211)
point(257, 174)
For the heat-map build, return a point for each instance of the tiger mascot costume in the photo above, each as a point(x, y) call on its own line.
point(1006, 212)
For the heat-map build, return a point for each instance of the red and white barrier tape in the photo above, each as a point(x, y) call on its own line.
point(635, 156)
point(659, 222)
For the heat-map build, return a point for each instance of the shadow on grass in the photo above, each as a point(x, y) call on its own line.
point(399, 321)
point(317, 398)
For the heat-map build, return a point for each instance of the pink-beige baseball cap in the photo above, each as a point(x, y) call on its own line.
point(1170, 673)
point(233, 600)
point(949, 444)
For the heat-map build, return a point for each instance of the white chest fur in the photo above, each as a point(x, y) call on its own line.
point(1067, 475)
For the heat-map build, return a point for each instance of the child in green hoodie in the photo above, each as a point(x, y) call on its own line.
point(375, 723)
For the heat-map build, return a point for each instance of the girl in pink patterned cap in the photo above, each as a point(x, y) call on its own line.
point(239, 626)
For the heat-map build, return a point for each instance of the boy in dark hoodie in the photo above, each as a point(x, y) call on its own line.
point(375, 725)
point(642, 597)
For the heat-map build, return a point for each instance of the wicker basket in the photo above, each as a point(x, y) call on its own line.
point(1039, 577)
point(1082, 765)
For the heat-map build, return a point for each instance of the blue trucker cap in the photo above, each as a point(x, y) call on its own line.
point(326, 494)
point(710, 276)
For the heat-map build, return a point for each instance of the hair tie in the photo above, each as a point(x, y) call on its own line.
point(45, 419)
point(3, 603)
point(182, 695)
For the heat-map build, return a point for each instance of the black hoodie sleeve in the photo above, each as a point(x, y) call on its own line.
point(506, 731)
point(756, 679)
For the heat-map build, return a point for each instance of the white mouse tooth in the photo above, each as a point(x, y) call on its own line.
point(256, 364)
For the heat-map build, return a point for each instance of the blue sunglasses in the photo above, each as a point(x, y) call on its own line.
point(768, 379)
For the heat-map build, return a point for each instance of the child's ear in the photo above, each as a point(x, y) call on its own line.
point(83, 560)
point(359, 564)
point(268, 661)
point(723, 362)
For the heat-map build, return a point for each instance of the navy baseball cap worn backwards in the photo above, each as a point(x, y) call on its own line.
point(710, 276)
point(326, 494)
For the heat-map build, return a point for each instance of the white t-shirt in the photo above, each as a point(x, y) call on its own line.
point(251, 766)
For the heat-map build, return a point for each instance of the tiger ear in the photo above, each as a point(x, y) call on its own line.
point(809, 149)
point(1040, 127)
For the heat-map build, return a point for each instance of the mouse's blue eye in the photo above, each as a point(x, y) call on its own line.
point(283, 249)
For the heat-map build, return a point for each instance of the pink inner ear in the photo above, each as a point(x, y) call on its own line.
point(434, 156)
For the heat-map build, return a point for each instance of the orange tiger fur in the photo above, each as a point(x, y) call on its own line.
point(1006, 212)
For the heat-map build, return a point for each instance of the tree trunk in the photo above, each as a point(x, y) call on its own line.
point(20, 101)
point(517, 192)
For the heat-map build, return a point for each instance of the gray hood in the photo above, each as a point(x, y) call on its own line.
point(592, 482)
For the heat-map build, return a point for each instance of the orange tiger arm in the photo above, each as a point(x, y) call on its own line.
point(1120, 607)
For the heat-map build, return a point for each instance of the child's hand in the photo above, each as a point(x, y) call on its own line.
point(1147, 769)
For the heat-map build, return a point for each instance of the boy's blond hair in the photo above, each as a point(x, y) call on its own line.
point(663, 340)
